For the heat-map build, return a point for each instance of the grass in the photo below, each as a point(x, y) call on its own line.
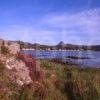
point(62, 82)
point(77, 83)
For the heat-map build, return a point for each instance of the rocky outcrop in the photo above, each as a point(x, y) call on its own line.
point(13, 47)
point(25, 68)
point(19, 69)
point(36, 73)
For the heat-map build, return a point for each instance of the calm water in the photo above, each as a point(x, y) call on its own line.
point(93, 62)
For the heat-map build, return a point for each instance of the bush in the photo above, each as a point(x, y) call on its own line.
point(2, 67)
point(4, 50)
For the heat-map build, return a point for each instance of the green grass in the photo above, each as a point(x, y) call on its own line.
point(71, 83)
point(77, 83)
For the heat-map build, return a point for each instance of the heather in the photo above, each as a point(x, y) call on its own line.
point(50, 80)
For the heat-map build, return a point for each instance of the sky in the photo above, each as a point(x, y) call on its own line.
point(51, 21)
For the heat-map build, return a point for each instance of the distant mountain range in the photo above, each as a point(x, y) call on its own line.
point(59, 46)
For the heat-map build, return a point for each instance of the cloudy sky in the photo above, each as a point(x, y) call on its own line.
point(51, 21)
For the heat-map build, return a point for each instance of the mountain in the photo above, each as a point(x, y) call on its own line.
point(60, 45)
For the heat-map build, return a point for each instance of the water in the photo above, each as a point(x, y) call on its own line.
point(94, 56)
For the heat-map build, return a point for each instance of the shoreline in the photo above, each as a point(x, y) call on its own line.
point(58, 50)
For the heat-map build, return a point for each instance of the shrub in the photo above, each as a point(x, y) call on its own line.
point(2, 66)
point(4, 50)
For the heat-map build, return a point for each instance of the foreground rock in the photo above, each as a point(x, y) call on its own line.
point(35, 71)
point(19, 69)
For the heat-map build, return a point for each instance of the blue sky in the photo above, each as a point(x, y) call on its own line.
point(51, 21)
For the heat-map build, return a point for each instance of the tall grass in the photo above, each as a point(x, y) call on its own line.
point(77, 83)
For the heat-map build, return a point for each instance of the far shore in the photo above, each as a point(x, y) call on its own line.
point(54, 50)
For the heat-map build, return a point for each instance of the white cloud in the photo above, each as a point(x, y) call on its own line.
point(86, 22)
point(29, 34)
point(80, 27)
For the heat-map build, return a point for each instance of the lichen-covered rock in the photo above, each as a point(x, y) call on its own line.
point(19, 69)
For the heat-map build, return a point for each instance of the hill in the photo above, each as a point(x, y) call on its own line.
point(61, 45)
